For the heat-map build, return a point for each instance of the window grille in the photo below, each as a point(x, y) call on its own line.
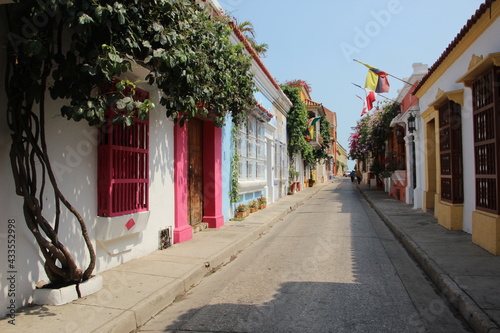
point(123, 165)
point(450, 143)
point(485, 101)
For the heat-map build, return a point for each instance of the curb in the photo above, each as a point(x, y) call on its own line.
point(142, 312)
point(478, 320)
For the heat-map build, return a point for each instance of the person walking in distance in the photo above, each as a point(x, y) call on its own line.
point(352, 174)
point(359, 176)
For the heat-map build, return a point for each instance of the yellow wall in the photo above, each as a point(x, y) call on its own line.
point(486, 231)
point(430, 147)
point(450, 215)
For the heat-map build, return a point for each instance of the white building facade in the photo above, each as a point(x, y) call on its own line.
point(458, 164)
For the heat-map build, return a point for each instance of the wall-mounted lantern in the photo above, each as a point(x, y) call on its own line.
point(411, 123)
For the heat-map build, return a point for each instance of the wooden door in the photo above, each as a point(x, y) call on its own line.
point(195, 142)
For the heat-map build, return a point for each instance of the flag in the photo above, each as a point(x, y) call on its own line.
point(370, 98)
point(310, 127)
point(364, 111)
point(376, 79)
point(313, 121)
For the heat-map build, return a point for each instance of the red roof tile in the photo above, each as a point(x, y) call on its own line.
point(254, 54)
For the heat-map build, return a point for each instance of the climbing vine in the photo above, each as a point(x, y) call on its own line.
point(235, 174)
point(296, 126)
point(69, 49)
point(297, 122)
point(325, 140)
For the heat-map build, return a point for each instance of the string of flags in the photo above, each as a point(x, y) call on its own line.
point(376, 83)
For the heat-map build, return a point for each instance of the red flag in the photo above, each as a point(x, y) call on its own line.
point(370, 98)
point(364, 111)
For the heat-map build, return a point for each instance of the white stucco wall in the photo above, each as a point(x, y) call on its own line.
point(73, 152)
point(485, 44)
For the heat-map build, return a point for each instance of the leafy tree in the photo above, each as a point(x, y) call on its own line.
point(84, 44)
point(248, 31)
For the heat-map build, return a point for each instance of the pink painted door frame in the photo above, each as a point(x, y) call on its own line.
point(183, 230)
point(212, 175)
point(212, 180)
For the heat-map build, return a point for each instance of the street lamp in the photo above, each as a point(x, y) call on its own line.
point(411, 123)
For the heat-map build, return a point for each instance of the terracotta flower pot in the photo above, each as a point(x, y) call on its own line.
point(242, 214)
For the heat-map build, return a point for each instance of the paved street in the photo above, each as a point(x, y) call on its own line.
point(330, 266)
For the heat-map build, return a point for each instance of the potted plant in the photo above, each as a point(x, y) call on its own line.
point(254, 206)
point(262, 202)
point(242, 211)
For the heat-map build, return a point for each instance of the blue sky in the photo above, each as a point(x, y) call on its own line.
point(316, 41)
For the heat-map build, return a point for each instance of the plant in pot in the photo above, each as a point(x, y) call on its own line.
point(254, 206)
point(242, 211)
point(262, 201)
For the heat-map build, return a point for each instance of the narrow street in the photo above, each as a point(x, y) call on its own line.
point(330, 266)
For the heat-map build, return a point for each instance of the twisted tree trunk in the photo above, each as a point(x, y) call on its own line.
point(31, 167)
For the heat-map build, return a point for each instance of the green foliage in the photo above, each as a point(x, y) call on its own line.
point(386, 166)
point(189, 56)
point(242, 208)
point(325, 140)
point(297, 126)
point(233, 192)
point(72, 50)
point(324, 131)
point(297, 122)
point(381, 124)
point(292, 174)
point(371, 132)
point(248, 31)
point(299, 83)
